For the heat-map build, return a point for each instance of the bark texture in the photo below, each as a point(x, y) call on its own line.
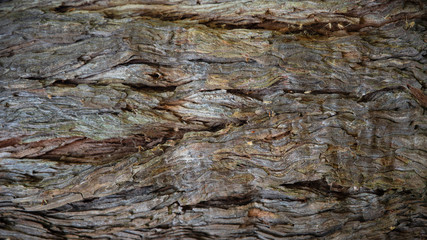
point(213, 119)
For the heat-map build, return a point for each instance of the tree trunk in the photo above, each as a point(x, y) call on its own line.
point(213, 119)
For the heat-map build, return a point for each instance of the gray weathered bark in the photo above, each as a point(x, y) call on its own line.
point(213, 119)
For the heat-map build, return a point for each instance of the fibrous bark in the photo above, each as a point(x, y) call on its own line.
point(212, 119)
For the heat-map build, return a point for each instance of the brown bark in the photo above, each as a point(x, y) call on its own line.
point(213, 119)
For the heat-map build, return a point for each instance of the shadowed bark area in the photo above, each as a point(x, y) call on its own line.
point(202, 119)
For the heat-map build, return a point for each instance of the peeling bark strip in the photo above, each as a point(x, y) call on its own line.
point(202, 119)
point(419, 95)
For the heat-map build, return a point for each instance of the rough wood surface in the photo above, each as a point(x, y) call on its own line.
point(203, 119)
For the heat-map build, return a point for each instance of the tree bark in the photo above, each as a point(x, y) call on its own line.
point(213, 119)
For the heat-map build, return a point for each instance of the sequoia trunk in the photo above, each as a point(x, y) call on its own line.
point(213, 119)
